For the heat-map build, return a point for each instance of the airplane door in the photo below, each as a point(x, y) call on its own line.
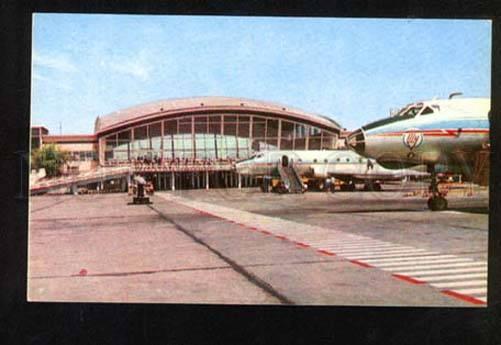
point(285, 161)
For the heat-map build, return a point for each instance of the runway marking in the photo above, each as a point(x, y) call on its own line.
point(398, 253)
point(465, 297)
point(359, 248)
point(482, 290)
point(476, 283)
point(373, 251)
point(399, 265)
point(429, 258)
point(446, 272)
point(410, 270)
point(408, 279)
point(433, 273)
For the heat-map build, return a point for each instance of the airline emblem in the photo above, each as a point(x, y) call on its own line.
point(412, 139)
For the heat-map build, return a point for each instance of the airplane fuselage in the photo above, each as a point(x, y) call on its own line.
point(341, 164)
point(445, 132)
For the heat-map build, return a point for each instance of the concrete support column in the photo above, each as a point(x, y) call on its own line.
point(239, 181)
point(207, 179)
point(173, 181)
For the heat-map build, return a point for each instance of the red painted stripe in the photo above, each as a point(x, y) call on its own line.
point(462, 297)
point(408, 279)
point(301, 244)
point(325, 252)
point(360, 263)
point(253, 228)
point(281, 237)
point(436, 132)
point(265, 232)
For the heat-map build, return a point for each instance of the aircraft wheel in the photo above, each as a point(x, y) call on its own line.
point(437, 203)
point(377, 187)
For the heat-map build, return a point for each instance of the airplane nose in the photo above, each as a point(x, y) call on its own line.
point(356, 141)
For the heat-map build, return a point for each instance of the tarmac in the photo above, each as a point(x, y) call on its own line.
point(231, 246)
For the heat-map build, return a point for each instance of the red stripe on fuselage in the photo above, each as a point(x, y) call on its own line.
point(434, 132)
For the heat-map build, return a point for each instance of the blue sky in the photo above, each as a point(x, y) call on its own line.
point(353, 70)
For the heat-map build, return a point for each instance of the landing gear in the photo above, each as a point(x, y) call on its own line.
point(266, 184)
point(437, 201)
point(372, 186)
point(348, 187)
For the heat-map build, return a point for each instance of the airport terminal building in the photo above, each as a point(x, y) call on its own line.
point(192, 142)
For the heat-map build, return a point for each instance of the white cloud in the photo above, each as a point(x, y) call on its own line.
point(135, 66)
point(52, 83)
point(54, 61)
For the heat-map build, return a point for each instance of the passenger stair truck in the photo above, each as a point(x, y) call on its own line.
point(290, 177)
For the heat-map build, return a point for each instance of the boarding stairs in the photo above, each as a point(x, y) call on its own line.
point(291, 178)
point(73, 181)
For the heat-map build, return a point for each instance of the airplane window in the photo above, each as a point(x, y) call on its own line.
point(360, 160)
point(325, 160)
point(347, 159)
point(427, 111)
point(314, 160)
point(337, 160)
point(413, 111)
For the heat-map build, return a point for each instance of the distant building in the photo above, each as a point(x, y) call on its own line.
point(37, 134)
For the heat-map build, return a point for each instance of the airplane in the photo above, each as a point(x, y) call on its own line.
point(440, 132)
point(321, 165)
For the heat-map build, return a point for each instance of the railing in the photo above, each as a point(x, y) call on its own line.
point(174, 166)
point(65, 181)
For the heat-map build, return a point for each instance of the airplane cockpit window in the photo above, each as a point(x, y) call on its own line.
point(411, 111)
point(427, 111)
point(405, 113)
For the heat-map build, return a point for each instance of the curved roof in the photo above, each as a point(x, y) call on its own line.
point(175, 107)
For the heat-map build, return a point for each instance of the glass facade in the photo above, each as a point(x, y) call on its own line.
point(225, 136)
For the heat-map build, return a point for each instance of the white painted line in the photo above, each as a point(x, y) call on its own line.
point(431, 270)
point(477, 283)
point(472, 291)
point(341, 243)
point(418, 259)
point(374, 246)
point(456, 276)
point(376, 251)
point(370, 250)
point(397, 253)
point(404, 265)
